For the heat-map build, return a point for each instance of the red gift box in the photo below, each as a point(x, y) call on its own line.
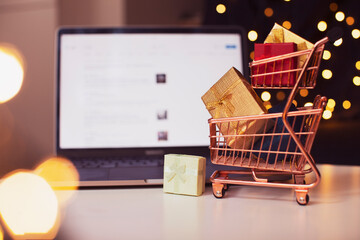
point(276, 71)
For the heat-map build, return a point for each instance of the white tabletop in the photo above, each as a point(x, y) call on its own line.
point(246, 212)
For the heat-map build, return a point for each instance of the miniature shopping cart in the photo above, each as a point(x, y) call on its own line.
point(282, 147)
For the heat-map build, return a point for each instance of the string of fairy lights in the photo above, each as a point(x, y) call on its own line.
point(327, 73)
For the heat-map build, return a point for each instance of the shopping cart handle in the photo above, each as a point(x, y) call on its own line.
point(334, 34)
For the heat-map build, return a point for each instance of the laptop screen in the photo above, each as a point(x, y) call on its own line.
point(138, 89)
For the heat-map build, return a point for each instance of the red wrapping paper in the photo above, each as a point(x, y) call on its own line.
point(266, 50)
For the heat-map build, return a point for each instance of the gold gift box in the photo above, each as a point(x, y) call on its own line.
point(184, 174)
point(279, 34)
point(233, 96)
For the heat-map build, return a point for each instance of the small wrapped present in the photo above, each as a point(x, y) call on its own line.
point(279, 34)
point(233, 96)
point(184, 174)
point(282, 77)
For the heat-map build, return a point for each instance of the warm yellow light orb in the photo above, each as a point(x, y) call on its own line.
point(356, 81)
point(329, 108)
point(295, 103)
point(327, 114)
point(346, 104)
point(308, 104)
point(252, 35)
point(340, 16)
point(355, 33)
point(357, 65)
point(326, 55)
point(267, 105)
point(265, 96)
point(11, 73)
point(331, 103)
point(220, 8)
point(326, 73)
point(322, 26)
point(28, 205)
point(268, 12)
point(350, 21)
point(304, 92)
point(60, 172)
point(338, 42)
point(286, 24)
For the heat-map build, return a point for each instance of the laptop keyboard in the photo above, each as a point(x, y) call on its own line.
point(114, 168)
point(117, 162)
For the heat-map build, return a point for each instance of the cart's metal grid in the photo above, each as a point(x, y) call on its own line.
point(289, 150)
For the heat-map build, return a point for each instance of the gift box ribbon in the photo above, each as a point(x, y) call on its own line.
point(180, 172)
point(176, 170)
point(224, 102)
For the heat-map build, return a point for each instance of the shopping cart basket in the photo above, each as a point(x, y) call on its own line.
point(283, 146)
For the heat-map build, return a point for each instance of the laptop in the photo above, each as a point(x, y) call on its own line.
point(128, 96)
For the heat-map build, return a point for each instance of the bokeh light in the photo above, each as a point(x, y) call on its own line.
point(11, 72)
point(350, 21)
point(265, 96)
point(252, 35)
point(333, 7)
point(329, 108)
point(220, 8)
point(327, 114)
point(268, 12)
point(322, 26)
point(355, 33)
point(326, 73)
point(326, 55)
point(357, 65)
point(338, 42)
point(61, 174)
point(346, 104)
point(28, 205)
point(252, 55)
point(331, 103)
point(340, 16)
point(286, 24)
point(280, 95)
point(356, 81)
point(267, 105)
point(1, 233)
point(308, 104)
point(295, 103)
point(304, 92)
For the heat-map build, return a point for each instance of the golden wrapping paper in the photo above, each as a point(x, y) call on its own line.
point(184, 174)
point(233, 96)
point(279, 34)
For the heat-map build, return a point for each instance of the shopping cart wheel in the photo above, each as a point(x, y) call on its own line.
point(302, 200)
point(218, 190)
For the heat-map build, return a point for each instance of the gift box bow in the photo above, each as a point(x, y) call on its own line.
point(179, 171)
point(175, 170)
point(223, 104)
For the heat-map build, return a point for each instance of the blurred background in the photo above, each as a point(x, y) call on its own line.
point(27, 121)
